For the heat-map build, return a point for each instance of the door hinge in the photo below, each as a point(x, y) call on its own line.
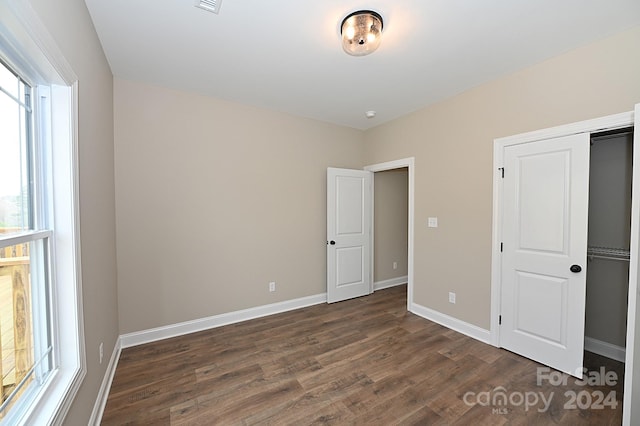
point(502, 171)
point(500, 320)
point(501, 247)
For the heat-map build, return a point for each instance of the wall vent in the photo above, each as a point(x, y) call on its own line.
point(209, 5)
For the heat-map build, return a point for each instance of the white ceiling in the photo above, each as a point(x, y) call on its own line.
point(286, 54)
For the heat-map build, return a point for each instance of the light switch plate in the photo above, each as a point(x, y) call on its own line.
point(432, 222)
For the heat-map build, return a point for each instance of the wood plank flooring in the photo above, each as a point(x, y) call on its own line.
point(362, 361)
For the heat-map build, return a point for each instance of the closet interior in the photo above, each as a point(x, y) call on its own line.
point(608, 242)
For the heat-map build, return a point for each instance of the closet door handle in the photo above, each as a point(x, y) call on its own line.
point(575, 268)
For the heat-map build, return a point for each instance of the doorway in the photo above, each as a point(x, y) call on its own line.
point(390, 217)
point(610, 175)
point(350, 267)
point(409, 164)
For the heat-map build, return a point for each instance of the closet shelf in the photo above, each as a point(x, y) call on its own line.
point(608, 253)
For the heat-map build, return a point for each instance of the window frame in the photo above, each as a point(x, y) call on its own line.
point(29, 49)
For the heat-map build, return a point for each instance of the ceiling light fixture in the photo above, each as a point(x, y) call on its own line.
point(361, 31)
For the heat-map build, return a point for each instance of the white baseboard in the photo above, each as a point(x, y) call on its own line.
point(379, 285)
point(453, 323)
point(605, 349)
point(105, 387)
point(182, 328)
point(146, 336)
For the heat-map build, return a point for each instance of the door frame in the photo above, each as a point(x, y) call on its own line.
point(611, 122)
point(409, 163)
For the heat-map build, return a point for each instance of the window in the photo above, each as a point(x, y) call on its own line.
point(41, 336)
point(25, 289)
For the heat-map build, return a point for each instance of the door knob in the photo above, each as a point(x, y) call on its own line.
point(575, 268)
point(333, 243)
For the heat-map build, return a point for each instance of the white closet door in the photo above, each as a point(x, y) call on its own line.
point(545, 210)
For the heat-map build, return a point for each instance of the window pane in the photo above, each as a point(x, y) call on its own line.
point(8, 81)
point(24, 335)
point(15, 127)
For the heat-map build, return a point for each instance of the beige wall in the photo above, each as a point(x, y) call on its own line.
point(70, 25)
point(390, 214)
point(452, 143)
point(216, 199)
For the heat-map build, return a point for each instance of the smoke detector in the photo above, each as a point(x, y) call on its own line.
point(209, 5)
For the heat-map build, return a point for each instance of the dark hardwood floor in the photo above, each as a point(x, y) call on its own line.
point(361, 361)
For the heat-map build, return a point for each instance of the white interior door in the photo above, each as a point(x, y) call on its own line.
point(544, 234)
point(349, 216)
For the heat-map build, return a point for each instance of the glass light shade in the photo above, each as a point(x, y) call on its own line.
point(361, 32)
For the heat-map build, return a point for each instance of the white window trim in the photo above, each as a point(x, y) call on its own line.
point(31, 49)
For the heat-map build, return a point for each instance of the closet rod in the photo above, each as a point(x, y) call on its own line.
point(599, 256)
point(610, 253)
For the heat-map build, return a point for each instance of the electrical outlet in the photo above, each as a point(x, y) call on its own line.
point(100, 350)
point(272, 286)
point(452, 297)
point(395, 265)
point(432, 222)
